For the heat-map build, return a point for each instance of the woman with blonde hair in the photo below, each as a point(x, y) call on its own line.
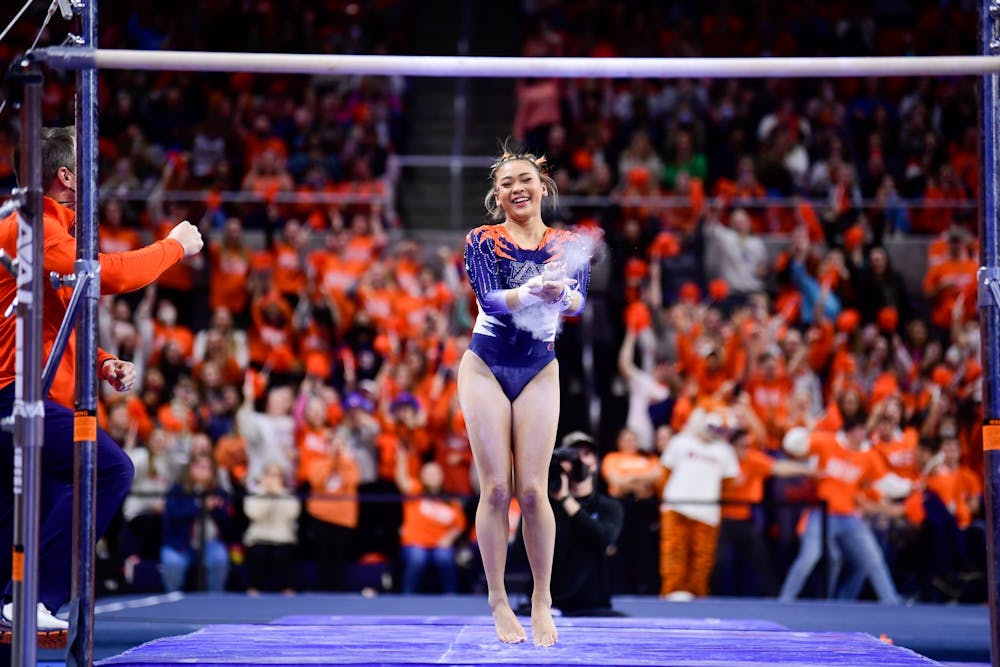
point(526, 275)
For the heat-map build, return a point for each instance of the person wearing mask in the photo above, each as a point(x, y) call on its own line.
point(588, 524)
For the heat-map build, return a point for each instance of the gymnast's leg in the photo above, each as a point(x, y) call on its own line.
point(535, 420)
point(487, 417)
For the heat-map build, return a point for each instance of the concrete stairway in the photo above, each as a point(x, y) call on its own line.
point(425, 193)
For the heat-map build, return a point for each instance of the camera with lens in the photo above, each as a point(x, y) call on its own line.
point(577, 473)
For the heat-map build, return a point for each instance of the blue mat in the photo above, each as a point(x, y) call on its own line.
point(564, 622)
point(638, 645)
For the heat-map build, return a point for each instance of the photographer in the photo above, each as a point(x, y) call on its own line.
point(587, 525)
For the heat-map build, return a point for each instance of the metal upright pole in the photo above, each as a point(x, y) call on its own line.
point(989, 303)
point(81, 648)
point(29, 410)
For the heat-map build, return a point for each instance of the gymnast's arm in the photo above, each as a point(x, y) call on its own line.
point(481, 267)
point(577, 292)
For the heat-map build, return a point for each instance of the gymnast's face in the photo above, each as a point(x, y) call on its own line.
point(519, 190)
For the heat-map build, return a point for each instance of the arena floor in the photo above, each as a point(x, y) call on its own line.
point(348, 629)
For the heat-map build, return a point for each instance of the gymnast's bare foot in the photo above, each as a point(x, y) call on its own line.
point(543, 628)
point(509, 629)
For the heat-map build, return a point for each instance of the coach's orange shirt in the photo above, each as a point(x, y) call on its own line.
point(120, 272)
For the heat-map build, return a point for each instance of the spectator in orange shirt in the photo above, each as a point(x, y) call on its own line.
point(333, 508)
point(969, 484)
point(844, 467)
point(167, 330)
point(941, 550)
point(743, 565)
point(229, 268)
point(288, 262)
point(114, 235)
point(431, 525)
point(311, 432)
point(895, 443)
point(632, 477)
point(453, 452)
point(947, 281)
point(770, 390)
point(272, 341)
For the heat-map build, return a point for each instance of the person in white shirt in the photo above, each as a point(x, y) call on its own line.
point(697, 459)
point(270, 435)
point(734, 254)
point(644, 389)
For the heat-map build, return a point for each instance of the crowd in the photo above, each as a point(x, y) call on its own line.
point(296, 420)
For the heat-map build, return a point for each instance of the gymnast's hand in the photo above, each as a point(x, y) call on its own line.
point(551, 285)
point(188, 236)
point(119, 374)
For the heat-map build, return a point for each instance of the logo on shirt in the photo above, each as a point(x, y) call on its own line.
point(522, 272)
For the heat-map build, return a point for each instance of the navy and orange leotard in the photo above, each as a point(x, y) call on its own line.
point(517, 345)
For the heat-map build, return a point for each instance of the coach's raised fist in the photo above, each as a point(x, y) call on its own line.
point(188, 236)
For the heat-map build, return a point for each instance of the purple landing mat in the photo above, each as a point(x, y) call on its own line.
point(476, 644)
point(562, 622)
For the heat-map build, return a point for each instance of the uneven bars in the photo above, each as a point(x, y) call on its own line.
point(448, 66)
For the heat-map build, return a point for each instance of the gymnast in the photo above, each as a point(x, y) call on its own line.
point(525, 276)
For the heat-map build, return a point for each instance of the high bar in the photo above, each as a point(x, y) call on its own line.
point(488, 66)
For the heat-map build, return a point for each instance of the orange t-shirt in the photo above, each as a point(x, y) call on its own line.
point(426, 521)
point(163, 334)
point(312, 446)
point(231, 454)
point(969, 487)
point(621, 464)
point(900, 455)
point(287, 271)
point(336, 476)
point(944, 283)
point(120, 272)
point(361, 251)
point(769, 399)
point(945, 483)
point(378, 303)
point(843, 471)
point(229, 270)
point(748, 487)
point(453, 453)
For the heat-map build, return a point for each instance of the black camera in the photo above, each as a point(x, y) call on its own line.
point(577, 473)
